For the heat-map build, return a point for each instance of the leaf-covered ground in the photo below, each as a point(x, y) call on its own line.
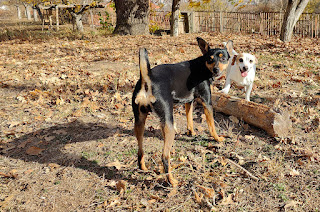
point(67, 142)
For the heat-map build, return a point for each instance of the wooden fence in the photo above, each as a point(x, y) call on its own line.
point(266, 23)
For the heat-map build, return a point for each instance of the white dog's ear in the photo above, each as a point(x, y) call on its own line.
point(229, 47)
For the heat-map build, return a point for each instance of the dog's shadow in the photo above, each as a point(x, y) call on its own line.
point(47, 146)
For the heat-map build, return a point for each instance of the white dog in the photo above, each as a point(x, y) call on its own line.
point(242, 71)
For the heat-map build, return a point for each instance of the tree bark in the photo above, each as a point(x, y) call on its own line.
point(77, 17)
point(261, 116)
point(18, 12)
point(37, 8)
point(35, 14)
point(174, 25)
point(27, 11)
point(292, 15)
point(78, 20)
point(132, 17)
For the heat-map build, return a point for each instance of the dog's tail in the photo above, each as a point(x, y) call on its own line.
point(144, 96)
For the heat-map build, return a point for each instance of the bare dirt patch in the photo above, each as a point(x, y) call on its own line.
point(67, 141)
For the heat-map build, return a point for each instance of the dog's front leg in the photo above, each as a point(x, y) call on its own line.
point(227, 86)
point(189, 110)
point(208, 111)
point(248, 91)
point(168, 134)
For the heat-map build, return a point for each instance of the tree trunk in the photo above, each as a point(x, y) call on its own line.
point(261, 116)
point(18, 12)
point(35, 14)
point(174, 25)
point(27, 10)
point(132, 17)
point(78, 21)
point(37, 8)
point(292, 15)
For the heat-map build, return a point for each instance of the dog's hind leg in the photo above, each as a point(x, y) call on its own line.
point(168, 134)
point(189, 110)
point(139, 130)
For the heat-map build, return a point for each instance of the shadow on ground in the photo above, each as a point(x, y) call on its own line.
point(52, 142)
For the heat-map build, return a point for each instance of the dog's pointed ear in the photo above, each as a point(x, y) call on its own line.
point(229, 47)
point(203, 45)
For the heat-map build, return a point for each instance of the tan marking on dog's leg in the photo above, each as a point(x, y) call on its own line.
point(189, 110)
point(210, 121)
point(139, 130)
point(168, 134)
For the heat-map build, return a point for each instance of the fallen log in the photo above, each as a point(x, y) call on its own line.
point(276, 124)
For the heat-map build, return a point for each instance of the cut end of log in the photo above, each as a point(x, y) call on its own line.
point(282, 124)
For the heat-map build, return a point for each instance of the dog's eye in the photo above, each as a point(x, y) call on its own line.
point(251, 61)
point(241, 60)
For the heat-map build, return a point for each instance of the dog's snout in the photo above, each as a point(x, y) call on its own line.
point(216, 72)
point(245, 68)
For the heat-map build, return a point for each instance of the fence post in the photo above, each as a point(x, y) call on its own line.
point(221, 22)
point(57, 17)
point(316, 25)
point(191, 22)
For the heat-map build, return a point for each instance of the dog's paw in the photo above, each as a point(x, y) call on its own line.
point(220, 139)
point(191, 133)
point(172, 181)
point(223, 91)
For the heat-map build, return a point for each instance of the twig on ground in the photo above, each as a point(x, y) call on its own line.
point(243, 169)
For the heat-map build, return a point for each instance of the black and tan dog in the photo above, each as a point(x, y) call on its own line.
point(159, 88)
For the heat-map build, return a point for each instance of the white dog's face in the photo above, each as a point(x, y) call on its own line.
point(246, 62)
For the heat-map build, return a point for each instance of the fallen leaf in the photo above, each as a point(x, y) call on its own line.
point(23, 144)
point(292, 203)
point(49, 138)
point(116, 164)
point(294, 172)
point(197, 197)
point(13, 124)
point(227, 200)
point(9, 175)
point(85, 102)
point(173, 192)
point(78, 113)
point(53, 166)
point(249, 137)
point(144, 202)
point(151, 201)
point(234, 119)
point(121, 186)
point(223, 161)
point(34, 150)
point(182, 159)
point(113, 203)
point(6, 201)
point(28, 171)
point(59, 101)
point(208, 192)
